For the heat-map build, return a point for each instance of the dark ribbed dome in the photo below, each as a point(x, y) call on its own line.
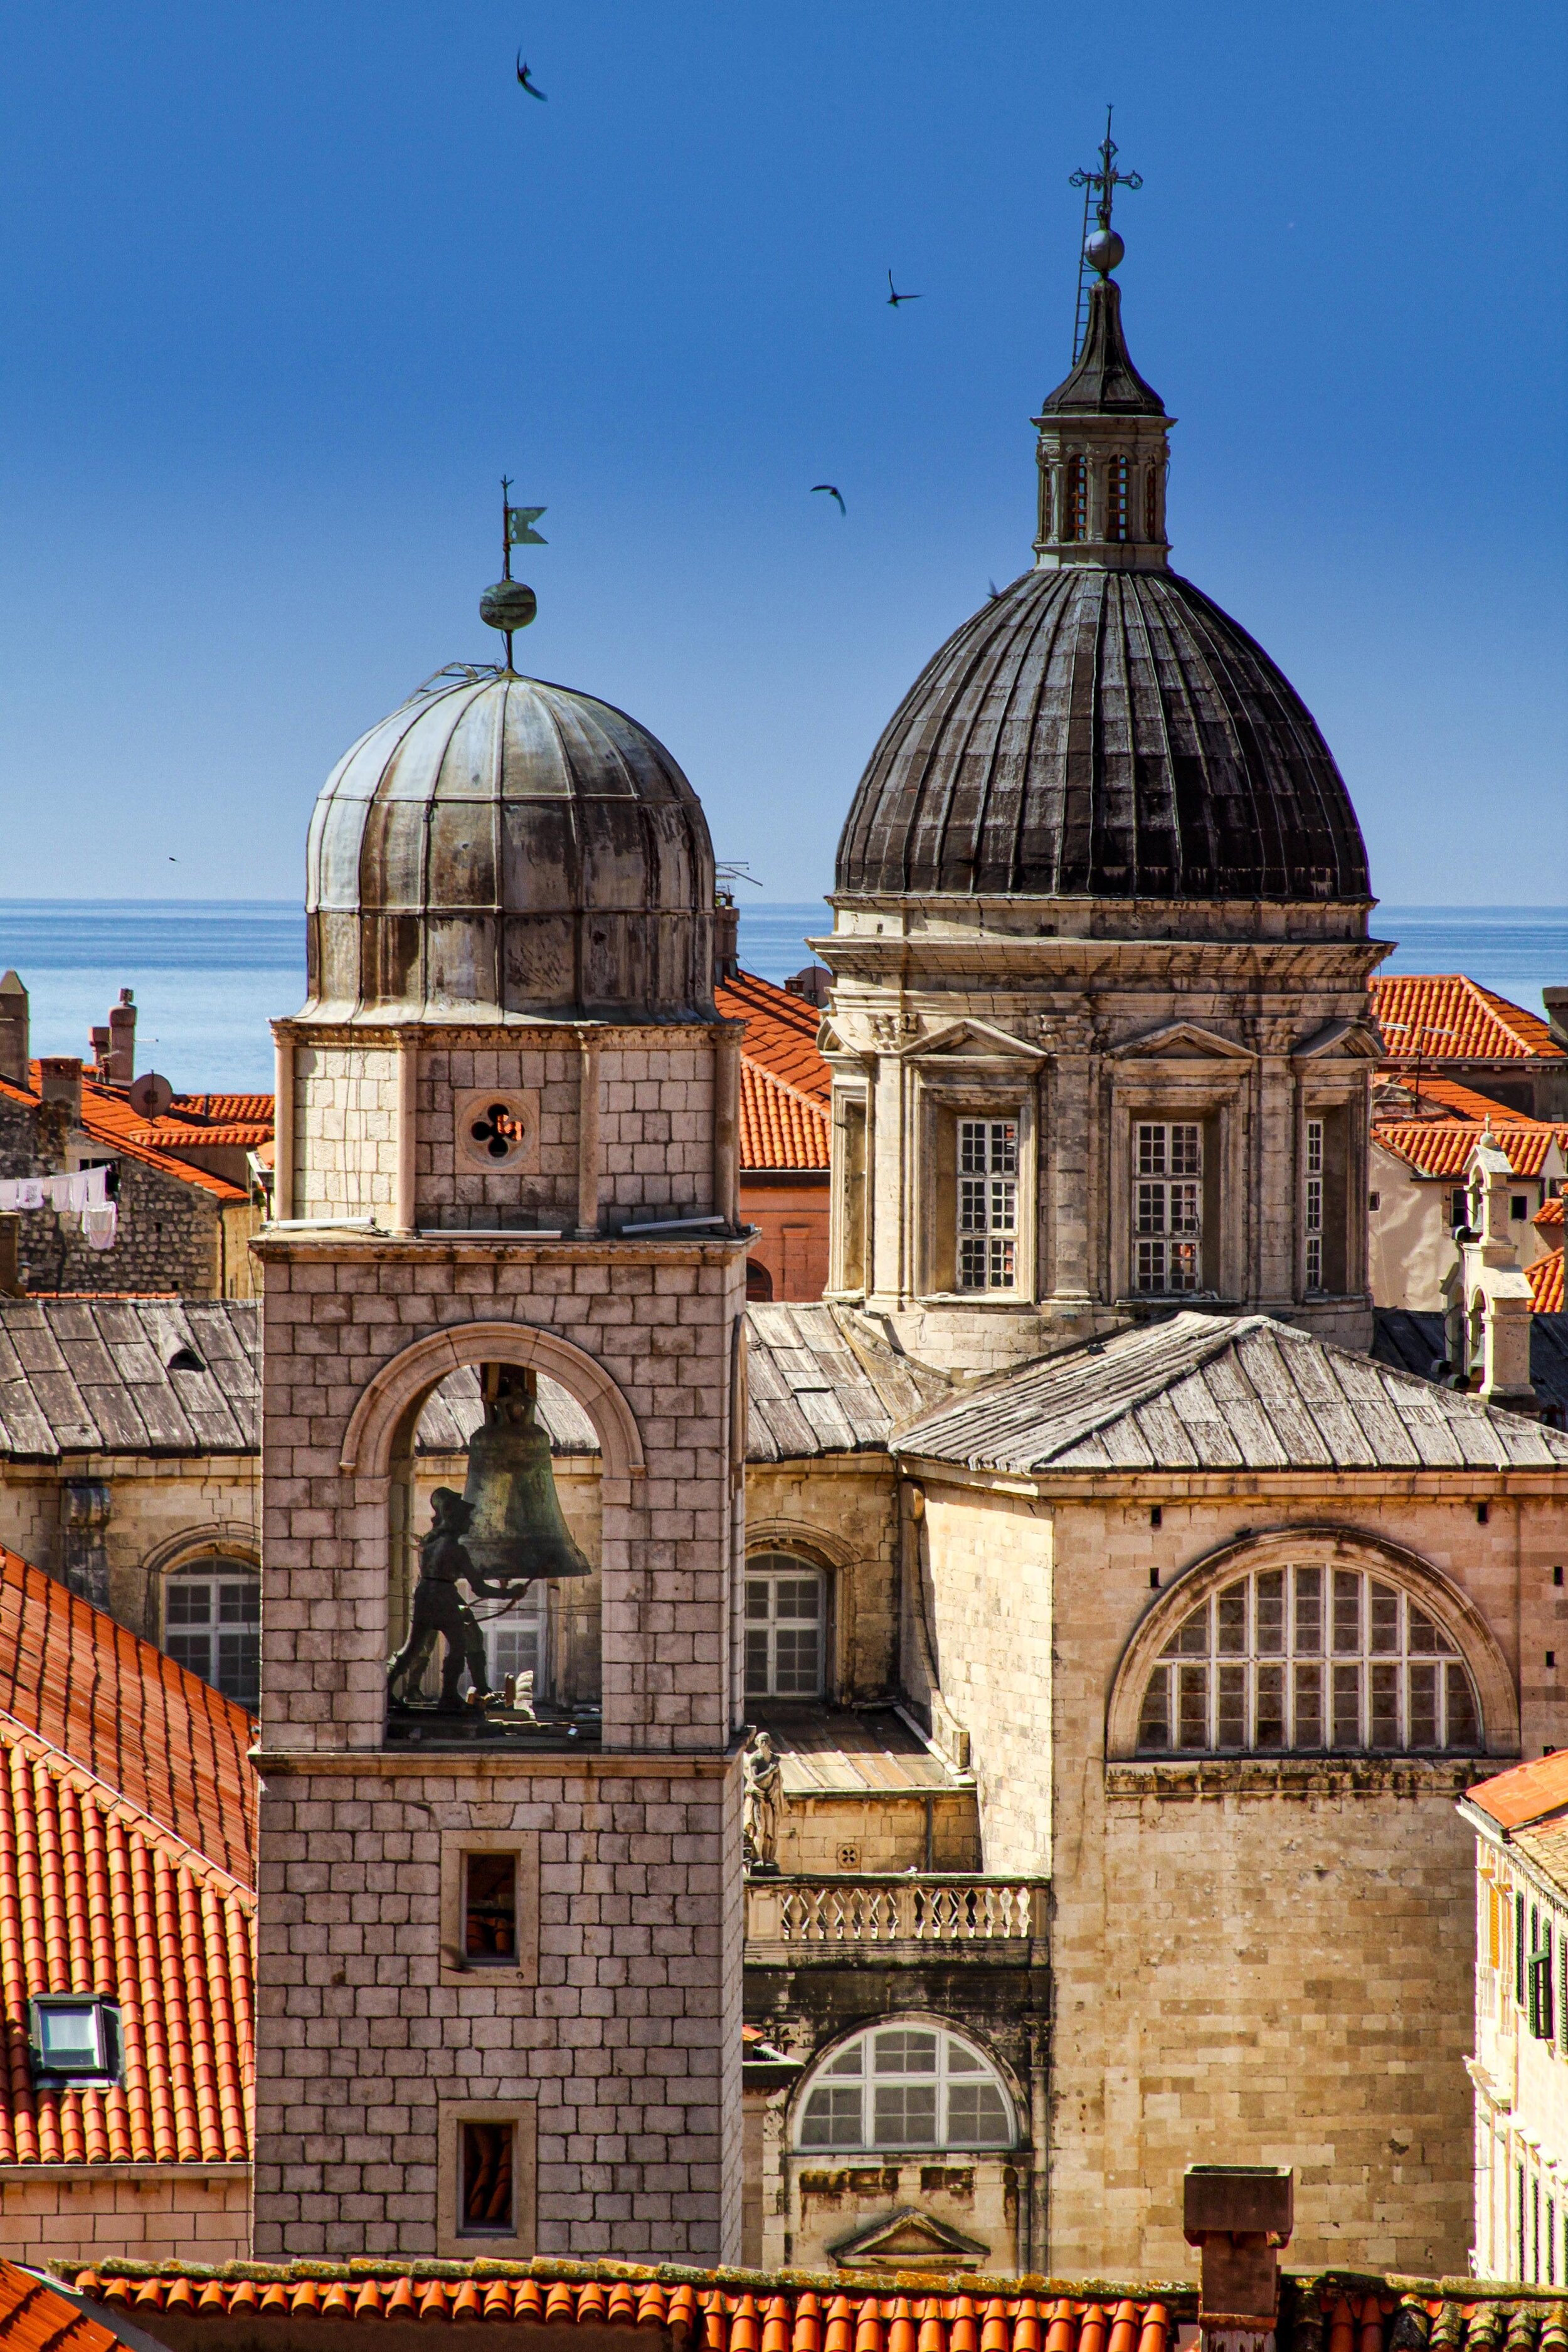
point(499, 845)
point(1103, 734)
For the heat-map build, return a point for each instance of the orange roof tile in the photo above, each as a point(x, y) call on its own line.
point(34, 2318)
point(743, 2314)
point(98, 1897)
point(1444, 1017)
point(223, 1109)
point(108, 1118)
point(780, 1127)
point(170, 1136)
point(1449, 1098)
point(1549, 1213)
point(1528, 1792)
point(126, 1712)
point(1441, 1148)
point(1545, 1280)
point(780, 1031)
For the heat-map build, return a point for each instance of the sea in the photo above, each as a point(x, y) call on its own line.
point(208, 975)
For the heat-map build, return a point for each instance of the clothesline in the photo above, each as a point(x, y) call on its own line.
point(83, 1193)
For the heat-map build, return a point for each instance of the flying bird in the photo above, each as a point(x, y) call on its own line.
point(995, 591)
point(833, 492)
point(522, 77)
point(895, 297)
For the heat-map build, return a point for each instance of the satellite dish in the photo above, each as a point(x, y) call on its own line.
point(149, 1095)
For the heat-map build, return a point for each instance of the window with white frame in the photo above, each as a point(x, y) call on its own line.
point(516, 1639)
point(785, 1627)
point(1167, 1205)
point(212, 1624)
point(987, 1203)
point(1308, 1657)
point(1312, 1203)
point(900, 2086)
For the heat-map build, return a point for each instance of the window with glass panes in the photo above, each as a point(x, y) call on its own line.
point(1167, 1205)
point(987, 1203)
point(212, 1624)
point(515, 1640)
point(1308, 1657)
point(785, 1632)
point(906, 2087)
point(1313, 1205)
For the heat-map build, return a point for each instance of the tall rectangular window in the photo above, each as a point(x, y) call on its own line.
point(1167, 1206)
point(987, 1203)
point(1116, 499)
point(489, 1909)
point(1075, 499)
point(852, 1193)
point(485, 2170)
point(785, 1608)
point(1313, 1205)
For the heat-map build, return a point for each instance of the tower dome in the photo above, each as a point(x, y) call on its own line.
point(1101, 729)
point(500, 847)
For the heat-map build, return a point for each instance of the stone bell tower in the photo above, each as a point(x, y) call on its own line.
point(498, 1944)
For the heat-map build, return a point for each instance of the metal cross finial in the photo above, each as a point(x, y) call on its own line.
point(1108, 179)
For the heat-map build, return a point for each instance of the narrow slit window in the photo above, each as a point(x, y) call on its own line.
point(1116, 499)
point(489, 1909)
point(1075, 499)
point(987, 1203)
point(1167, 1207)
point(1312, 1205)
point(1151, 504)
point(485, 2193)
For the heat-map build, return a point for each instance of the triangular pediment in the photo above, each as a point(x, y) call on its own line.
point(1181, 1041)
point(910, 2239)
point(828, 1040)
point(968, 1038)
point(1351, 1039)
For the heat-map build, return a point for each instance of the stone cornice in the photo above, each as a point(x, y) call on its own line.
point(950, 959)
point(1299, 1776)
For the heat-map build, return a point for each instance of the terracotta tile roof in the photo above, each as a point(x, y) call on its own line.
point(1525, 1793)
point(749, 2314)
point(98, 1897)
point(1549, 1214)
point(780, 1127)
point(1444, 1017)
point(171, 1137)
point(1441, 1148)
point(127, 1713)
point(108, 1119)
point(34, 2317)
point(1443, 1099)
point(780, 1031)
point(223, 1109)
point(1545, 1280)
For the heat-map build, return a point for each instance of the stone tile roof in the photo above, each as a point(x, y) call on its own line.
point(36, 2318)
point(1441, 1148)
point(821, 1380)
point(96, 1896)
point(1413, 1342)
point(456, 1410)
point(780, 1128)
point(1223, 1393)
point(780, 1031)
point(122, 1711)
point(103, 1374)
point(1444, 1017)
point(837, 1751)
point(1545, 1280)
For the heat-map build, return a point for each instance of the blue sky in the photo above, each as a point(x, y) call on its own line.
point(284, 290)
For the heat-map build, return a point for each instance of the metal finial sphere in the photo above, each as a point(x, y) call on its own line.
point(509, 605)
point(1103, 250)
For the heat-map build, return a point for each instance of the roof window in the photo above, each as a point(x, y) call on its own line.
point(75, 2042)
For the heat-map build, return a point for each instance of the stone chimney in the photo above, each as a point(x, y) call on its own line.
point(60, 1081)
point(15, 1046)
point(726, 937)
point(123, 1040)
point(1556, 1002)
point(1489, 1302)
point(1238, 2215)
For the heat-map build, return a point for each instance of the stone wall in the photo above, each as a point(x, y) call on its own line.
point(345, 1101)
point(167, 1236)
point(164, 1513)
point(150, 2213)
point(791, 1219)
point(841, 1514)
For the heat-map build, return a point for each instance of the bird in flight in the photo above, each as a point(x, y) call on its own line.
point(522, 77)
point(895, 297)
point(995, 591)
point(833, 492)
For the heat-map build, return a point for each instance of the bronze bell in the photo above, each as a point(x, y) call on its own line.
point(517, 1532)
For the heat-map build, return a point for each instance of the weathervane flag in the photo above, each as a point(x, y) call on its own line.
point(520, 530)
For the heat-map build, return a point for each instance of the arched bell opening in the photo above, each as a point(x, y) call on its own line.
point(496, 1494)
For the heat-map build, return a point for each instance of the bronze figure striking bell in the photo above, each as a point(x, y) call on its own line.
point(517, 1531)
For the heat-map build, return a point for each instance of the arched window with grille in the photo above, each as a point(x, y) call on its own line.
point(1309, 1657)
point(212, 1624)
point(908, 2085)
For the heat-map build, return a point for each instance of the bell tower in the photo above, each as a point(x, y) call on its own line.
point(499, 1929)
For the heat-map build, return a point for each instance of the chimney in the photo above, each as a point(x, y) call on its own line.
point(14, 1047)
point(60, 1081)
point(98, 1039)
point(123, 1040)
point(813, 983)
point(726, 937)
point(1239, 2215)
point(1556, 1002)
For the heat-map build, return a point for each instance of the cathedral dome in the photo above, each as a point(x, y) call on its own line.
point(500, 846)
point(1110, 734)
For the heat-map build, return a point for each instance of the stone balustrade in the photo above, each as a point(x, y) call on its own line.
point(906, 1917)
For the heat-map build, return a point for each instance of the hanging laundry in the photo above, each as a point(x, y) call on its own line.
point(100, 1226)
point(83, 1188)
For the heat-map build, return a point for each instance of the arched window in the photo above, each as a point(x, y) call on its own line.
point(906, 2085)
point(212, 1624)
point(759, 1283)
point(1075, 499)
point(1308, 1658)
point(786, 1628)
point(1116, 499)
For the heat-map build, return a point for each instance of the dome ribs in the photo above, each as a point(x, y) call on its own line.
point(1111, 734)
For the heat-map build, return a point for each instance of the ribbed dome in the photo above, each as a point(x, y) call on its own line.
point(1103, 734)
point(503, 847)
